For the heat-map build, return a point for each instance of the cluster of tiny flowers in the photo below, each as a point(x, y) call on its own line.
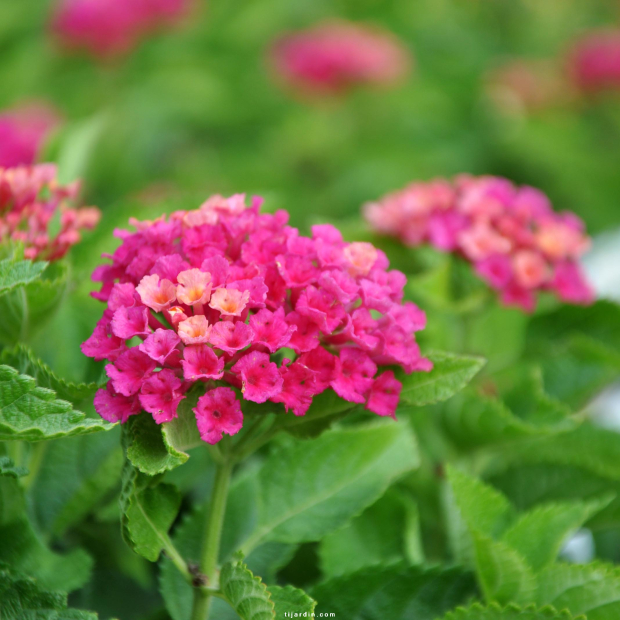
point(23, 131)
point(30, 198)
point(334, 56)
point(231, 298)
point(110, 28)
point(594, 62)
point(511, 235)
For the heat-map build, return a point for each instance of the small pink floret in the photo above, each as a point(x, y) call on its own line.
point(218, 412)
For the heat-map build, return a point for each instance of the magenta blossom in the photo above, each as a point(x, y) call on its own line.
point(23, 131)
point(111, 28)
point(517, 244)
point(227, 295)
point(333, 56)
point(593, 63)
point(30, 198)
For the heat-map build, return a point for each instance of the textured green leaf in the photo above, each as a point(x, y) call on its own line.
point(22, 549)
point(313, 487)
point(146, 448)
point(511, 612)
point(148, 511)
point(538, 535)
point(34, 413)
point(473, 505)
point(396, 592)
point(366, 541)
point(450, 374)
point(591, 589)
point(289, 600)
point(26, 310)
point(245, 593)
point(23, 359)
point(75, 474)
point(503, 573)
point(16, 273)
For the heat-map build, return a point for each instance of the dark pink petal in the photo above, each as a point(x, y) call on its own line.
point(231, 337)
point(321, 307)
point(160, 345)
point(101, 346)
point(201, 362)
point(323, 364)
point(384, 395)
point(306, 336)
point(122, 295)
point(270, 329)
point(219, 268)
point(298, 387)
point(130, 322)
point(161, 395)
point(129, 371)
point(115, 407)
point(353, 377)
point(218, 412)
point(169, 267)
point(259, 376)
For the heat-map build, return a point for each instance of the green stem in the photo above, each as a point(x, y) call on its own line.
point(37, 452)
point(212, 537)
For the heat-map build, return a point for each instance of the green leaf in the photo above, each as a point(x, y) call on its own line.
point(365, 541)
point(538, 535)
point(473, 505)
point(23, 359)
point(591, 589)
point(450, 374)
point(22, 549)
point(21, 598)
point(16, 273)
point(155, 448)
point(246, 594)
point(290, 600)
point(26, 310)
point(148, 511)
point(503, 573)
point(511, 612)
point(76, 473)
point(33, 413)
point(313, 487)
point(396, 592)
point(146, 448)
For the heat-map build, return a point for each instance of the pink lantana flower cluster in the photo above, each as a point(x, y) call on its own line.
point(227, 297)
point(334, 56)
point(111, 28)
point(594, 61)
point(23, 131)
point(31, 200)
point(511, 235)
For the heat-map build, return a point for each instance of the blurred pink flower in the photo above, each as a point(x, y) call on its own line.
point(334, 56)
point(111, 28)
point(22, 133)
point(30, 198)
point(515, 241)
point(593, 62)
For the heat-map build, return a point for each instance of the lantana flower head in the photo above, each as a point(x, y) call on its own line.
point(593, 62)
point(511, 235)
point(241, 304)
point(334, 56)
point(22, 132)
point(111, 28)
point(30, 199)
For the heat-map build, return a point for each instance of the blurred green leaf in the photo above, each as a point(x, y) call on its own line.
point(315, 486)
point(511, 612)
point(450, 374)
point(396, 592)
point(33, 413)
point(17, 273)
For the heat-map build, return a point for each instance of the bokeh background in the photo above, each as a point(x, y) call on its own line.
point(196, 110)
